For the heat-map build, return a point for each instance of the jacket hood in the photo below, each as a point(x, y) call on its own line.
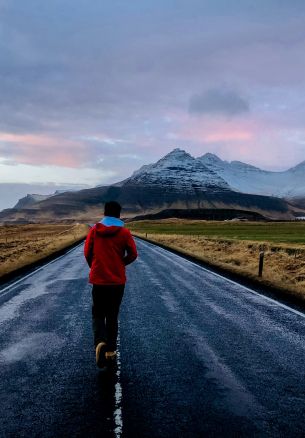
point(110, 220)
point(104, 230)
point(109, 226)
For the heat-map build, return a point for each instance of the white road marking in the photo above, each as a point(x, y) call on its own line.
point(117, 414)
point(32, 344)
point(271, 300)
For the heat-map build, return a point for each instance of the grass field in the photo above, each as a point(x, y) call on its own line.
point(278, 232)
point(235, 247)
point(22, 245)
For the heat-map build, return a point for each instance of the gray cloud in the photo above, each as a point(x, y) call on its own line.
point(111, 63)
point(77, 69)
point(227, 102)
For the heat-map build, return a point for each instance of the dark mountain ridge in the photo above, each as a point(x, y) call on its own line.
point(176, 181)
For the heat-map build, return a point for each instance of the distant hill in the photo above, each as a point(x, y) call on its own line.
point(29, 200)
point(298, 202)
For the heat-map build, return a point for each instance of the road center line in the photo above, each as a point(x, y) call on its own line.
point(118, 417)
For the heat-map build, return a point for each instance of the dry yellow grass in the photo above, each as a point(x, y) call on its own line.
point(284, 265)
point(22, 245)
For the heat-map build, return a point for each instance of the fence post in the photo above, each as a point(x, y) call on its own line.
point(261, 263)
point(146, 235)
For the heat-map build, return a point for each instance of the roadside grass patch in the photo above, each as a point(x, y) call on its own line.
point(22, 245)
point(277, 232)
point(235, 247)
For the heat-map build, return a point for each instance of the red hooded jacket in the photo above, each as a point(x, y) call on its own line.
point(108, 249)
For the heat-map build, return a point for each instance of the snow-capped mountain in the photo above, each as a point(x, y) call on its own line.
point(245, 178)
point(178, 170)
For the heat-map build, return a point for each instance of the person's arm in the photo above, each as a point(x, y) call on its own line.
point(88, 248)
point(131, 250)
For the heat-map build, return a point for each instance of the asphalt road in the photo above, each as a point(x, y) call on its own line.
point(199, 356)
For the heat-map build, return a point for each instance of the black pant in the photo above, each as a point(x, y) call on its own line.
point(105, 310)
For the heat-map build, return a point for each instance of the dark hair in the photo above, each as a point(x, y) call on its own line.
point(112, 208)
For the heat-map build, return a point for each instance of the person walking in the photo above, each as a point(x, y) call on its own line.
point(109, 247)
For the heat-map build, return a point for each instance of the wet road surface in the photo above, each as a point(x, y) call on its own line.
point(199, 356)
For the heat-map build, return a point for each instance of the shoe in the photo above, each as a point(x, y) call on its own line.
point(100, 354)
point(110, 355)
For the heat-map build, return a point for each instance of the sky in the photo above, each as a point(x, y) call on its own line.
point(91, 91)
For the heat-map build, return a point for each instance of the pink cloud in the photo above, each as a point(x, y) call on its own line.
point(39, 140)
point(229, 135)
point(218, 130)
point(44, 150)
point(255, 139)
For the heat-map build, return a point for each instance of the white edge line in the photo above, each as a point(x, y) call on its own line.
point(232, 281)
point(117, 414)
point(38, 269)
